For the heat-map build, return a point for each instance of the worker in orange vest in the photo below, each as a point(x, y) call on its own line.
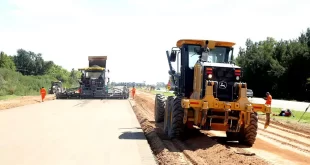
point(268, 98)
point(133, 91)
point(43, 93)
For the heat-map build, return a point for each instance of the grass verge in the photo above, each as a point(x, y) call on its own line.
point(295, 117)
point(15, 84)
point(292, 119)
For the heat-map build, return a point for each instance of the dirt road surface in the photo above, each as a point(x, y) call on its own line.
point(24, 100)
point(66, 132)
point(275, 145)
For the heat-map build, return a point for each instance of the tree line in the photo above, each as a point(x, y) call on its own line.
point(29, 67)
point(279, 67)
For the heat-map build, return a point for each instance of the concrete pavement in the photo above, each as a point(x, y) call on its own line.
point(79, 132)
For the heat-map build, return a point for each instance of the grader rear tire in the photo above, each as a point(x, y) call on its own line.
point(177, 128)
point(159, 108)
point(248, 135)
point(168, 109)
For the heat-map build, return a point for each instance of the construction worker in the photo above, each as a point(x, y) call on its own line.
point(268, 98)
point(133, 91)
point(284, 112)
point(43, 93)
point(125, 90)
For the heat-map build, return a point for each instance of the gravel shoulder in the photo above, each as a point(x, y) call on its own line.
point(24, 100)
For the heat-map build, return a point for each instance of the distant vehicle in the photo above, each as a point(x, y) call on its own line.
point(56, 86)
point(249, 93)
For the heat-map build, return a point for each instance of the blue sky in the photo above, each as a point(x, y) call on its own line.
point(135, 34)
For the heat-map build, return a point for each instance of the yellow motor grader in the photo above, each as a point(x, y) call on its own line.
point(209, 93)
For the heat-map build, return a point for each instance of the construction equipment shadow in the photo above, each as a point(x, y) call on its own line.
point(128, 135)
point(228, 143)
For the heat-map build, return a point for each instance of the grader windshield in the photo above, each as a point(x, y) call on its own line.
point(216, 55)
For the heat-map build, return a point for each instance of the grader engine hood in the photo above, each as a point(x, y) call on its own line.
point(97, 60)
point(226, 75)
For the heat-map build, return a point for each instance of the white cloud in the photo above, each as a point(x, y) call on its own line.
point(67, 31)
point(44, 6)
point(47, 10)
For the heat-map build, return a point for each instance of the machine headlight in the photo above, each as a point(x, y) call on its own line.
point(209, 76)
point(237, 78)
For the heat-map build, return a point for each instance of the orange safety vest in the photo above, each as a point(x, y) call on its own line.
point(43, 91)
point(133, 90)
point(268, 101)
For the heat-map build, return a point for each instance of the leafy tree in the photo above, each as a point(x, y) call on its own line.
point(34, 72)
point(280, 67)
point(6, 62)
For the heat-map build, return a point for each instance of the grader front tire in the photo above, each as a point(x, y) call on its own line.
point(248, 135)
point(177, 128)
point(159, 108)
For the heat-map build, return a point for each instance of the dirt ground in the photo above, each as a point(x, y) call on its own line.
point(278, 144)
point(21, 101)
point(300, 127)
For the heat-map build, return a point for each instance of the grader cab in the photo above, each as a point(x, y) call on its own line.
point(209, 93)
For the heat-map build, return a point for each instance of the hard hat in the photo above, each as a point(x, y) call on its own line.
point(267, 93)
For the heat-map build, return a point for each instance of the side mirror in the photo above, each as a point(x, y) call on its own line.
point(173, 56)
